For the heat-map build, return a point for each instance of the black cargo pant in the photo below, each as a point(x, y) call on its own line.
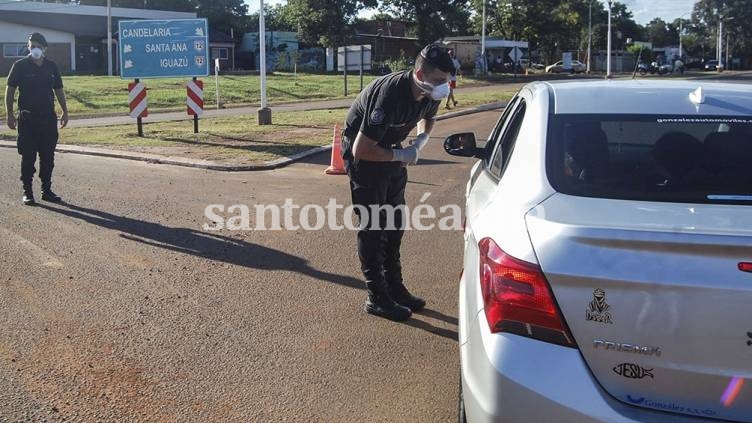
point(379, 187)
point(37, 135)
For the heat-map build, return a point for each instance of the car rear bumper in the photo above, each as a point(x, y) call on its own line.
point(510, 378)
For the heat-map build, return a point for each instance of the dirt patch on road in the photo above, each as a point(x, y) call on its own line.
point(84, 374)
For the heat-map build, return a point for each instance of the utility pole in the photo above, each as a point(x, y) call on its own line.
point(590, 34)
point(264, 113)
point(720, 44)
point(681, 33)
point(727, 50)
point(109, 37)
point(608, 46)
point(483, 64)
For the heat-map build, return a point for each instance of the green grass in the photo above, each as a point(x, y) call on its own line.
point(237, 139)
point(226, 139)
point(103, 95)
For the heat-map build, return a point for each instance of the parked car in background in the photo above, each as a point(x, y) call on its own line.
point(694, 64)
point(558, 67)
point(710, 65)
point(608, 255)
point(526, 63)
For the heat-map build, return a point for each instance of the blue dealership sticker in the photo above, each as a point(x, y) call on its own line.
point(163, 48)
point(635, 400)
point(669, 406)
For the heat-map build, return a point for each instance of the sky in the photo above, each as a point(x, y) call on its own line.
point(643, 10)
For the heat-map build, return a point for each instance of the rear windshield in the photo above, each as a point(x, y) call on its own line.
point(652, 158)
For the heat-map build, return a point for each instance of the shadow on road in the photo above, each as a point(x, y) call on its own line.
point(225, 249)
point(202, 244)
point(439, 316)
point(445, 333)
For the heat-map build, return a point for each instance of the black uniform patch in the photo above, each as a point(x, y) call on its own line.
point(377, 117)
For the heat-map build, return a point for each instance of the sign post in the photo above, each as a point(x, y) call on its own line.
point(356, 57)
point(344, 70)
point(161, 49)
point(216, 81)
point(361, 68)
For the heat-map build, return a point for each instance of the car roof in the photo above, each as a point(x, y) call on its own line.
point(657, 97)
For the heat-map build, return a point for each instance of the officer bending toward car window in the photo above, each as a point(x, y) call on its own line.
point(380, 119)
point(36, 79)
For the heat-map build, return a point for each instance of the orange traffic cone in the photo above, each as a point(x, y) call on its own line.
point(337, 164)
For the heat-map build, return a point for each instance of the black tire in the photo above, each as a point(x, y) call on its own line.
point(461, 417)
point(643, 72)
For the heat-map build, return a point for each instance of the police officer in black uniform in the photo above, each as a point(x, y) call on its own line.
point(36, 79)
point(380, 119)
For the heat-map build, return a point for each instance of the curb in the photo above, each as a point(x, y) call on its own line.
point(209, 165)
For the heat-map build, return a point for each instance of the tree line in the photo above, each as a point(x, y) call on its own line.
point(550, 26)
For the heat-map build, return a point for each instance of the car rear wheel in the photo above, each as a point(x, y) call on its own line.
point(461, 417)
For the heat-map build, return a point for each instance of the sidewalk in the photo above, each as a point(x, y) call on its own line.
point(208, 113)
point(205, 164)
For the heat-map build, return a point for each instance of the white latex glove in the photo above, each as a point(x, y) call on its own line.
point(407, 155)
point(420, 141)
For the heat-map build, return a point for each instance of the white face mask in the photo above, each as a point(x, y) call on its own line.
point(36, 53)
point(436, 92)
point(440, 92)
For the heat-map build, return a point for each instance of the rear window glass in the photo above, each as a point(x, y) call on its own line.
point(652, 158)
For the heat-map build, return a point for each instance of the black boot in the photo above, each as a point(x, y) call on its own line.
point(28, 196)
point(380, 304)
point(403, 297)
point(48, 195)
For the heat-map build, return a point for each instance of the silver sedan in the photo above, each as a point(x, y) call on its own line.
point(608, 255)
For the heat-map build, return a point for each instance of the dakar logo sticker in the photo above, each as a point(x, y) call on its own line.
point(598, 309)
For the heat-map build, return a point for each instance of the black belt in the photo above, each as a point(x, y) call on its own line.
point(393, 145)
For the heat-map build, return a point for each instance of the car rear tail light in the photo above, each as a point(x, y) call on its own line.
point(518, 299)
point(745, 267)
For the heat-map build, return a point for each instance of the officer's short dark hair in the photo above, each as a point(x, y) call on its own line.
point(38, 38)
point(432, 57)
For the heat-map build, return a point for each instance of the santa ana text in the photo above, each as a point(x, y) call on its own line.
point(166, 47)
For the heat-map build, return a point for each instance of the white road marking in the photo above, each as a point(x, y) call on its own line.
point(35, 251)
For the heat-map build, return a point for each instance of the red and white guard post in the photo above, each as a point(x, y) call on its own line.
point(138, 103)
point(195, 100)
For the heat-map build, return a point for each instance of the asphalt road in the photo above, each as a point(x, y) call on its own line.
point(117, 306)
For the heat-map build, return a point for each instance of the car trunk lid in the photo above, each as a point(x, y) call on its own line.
point(654, 296)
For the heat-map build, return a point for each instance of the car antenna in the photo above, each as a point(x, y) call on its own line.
point(697, 96)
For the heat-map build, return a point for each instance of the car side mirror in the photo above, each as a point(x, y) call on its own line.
point(463, 145)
